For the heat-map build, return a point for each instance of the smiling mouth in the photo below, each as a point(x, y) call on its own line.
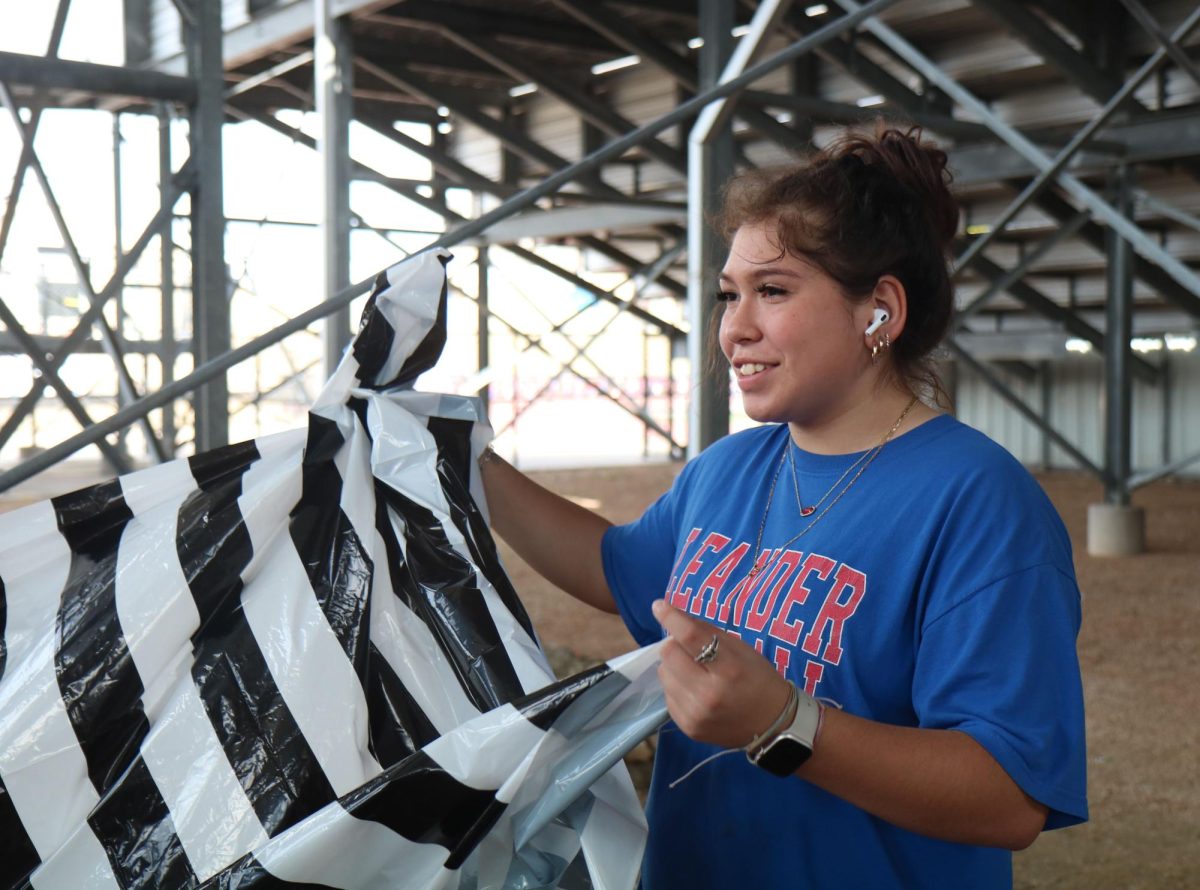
point(750, 368)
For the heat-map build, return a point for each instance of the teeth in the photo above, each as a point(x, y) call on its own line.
point(750, 368)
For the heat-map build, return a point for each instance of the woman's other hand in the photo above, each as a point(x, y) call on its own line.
point(726, 701)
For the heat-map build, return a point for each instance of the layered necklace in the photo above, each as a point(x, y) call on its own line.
point(857, 468)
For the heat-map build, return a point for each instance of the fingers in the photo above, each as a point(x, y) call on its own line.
point(691, 633)
point(726, 700)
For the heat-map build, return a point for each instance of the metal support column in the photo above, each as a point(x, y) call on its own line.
point(710, 164)
point(1118, 379)
point(333, 73)
point(482, 264)
point(210, 299)
point(167, 346)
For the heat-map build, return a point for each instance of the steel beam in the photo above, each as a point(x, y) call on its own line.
point(180, 183)
point(1017, 272)
point(1178, 55)
point(333, 73)
point(49, 375)
point(1145, 271)
point(1118, 381)
point(629, 38)
point(166, 271)
point(51, 74)
point(1128, 230)
point(299, 60)
point(125, 385)
point(1044, 306)
point(710, 165)
point(1046, 42)
point(210, 299)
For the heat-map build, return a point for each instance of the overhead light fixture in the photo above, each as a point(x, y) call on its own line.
point(1083, 347)
point(1181, 342)
point(784, 117)
point(615, 65)
point(443, 111)
point(1146, 344)
point(740, 31)
point(696, 43)
point(445, 127)
point(978, 229)
point(815, 10)
point(522, 89)
point(869, 101)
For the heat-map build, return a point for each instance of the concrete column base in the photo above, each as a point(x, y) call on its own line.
point(1115, 530)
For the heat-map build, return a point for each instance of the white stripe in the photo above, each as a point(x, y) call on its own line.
point(405, 457)
point(213, 818)
point(41, 762)
point(306, 660)
point(80, 863)
point(332, 847)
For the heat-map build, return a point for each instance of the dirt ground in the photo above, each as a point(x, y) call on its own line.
point(1140, 651)
point(1139, 647)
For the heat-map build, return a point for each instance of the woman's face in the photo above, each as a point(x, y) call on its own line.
point(794, 341)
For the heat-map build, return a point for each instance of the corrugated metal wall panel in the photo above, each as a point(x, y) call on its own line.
point(1077, 412)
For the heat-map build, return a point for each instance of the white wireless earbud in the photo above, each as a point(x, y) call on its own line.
point(878, 320)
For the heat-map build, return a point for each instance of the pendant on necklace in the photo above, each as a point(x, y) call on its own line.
point(753, 572)
point(807, 511)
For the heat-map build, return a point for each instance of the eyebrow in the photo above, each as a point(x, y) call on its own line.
point(763, 272)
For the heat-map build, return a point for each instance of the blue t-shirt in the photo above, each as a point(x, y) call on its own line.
point(938, 592)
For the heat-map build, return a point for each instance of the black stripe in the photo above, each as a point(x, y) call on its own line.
point(249, 874)
point(439, 586)
point(453, 438)
point(136, 829)
point(544, 707)
point(373, 343)
point(97, 679)
point(273, 761)
point(3, 626)
point(18, 857)
point(398, 725)
point(420, 801)
point(334, 558)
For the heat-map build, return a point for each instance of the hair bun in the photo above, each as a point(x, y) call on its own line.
point(920, 166)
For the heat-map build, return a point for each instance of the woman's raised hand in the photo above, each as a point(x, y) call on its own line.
point(724, 700)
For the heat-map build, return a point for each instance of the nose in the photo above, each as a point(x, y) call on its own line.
point(739, 323)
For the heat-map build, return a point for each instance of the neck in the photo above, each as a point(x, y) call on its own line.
point(860, 426)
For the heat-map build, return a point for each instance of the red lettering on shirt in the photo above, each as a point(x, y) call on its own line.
point(789, 631)
point(764, 604)
point(674, 584)
point(716, 580)
point(742, 590)
point(783, 658)
point(834, 613)
point(813, 672)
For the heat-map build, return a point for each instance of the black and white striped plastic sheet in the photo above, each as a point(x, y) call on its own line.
point(298, 661)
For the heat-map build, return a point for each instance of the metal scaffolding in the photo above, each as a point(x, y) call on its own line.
point(1070, 232)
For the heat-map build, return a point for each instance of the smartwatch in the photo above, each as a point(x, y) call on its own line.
point(784, 752)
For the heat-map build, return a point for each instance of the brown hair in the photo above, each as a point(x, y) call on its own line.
point(864, 207)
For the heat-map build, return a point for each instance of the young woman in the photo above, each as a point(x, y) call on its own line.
point(872, 601)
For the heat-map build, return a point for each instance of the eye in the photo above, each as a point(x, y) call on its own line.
point(725, 296)
point(770, 290)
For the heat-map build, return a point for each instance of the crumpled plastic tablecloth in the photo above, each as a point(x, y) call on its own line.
point(297, 661)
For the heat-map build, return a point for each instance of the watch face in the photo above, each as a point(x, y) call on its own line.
point(784, 756)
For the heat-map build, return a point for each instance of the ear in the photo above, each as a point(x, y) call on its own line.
point(890, 296)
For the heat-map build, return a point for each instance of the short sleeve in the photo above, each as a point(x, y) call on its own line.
point(638, 558)
point(1001, 666)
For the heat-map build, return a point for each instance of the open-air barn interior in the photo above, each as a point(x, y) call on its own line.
point(200, 196)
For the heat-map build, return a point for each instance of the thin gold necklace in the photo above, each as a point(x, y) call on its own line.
point(862, 463)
